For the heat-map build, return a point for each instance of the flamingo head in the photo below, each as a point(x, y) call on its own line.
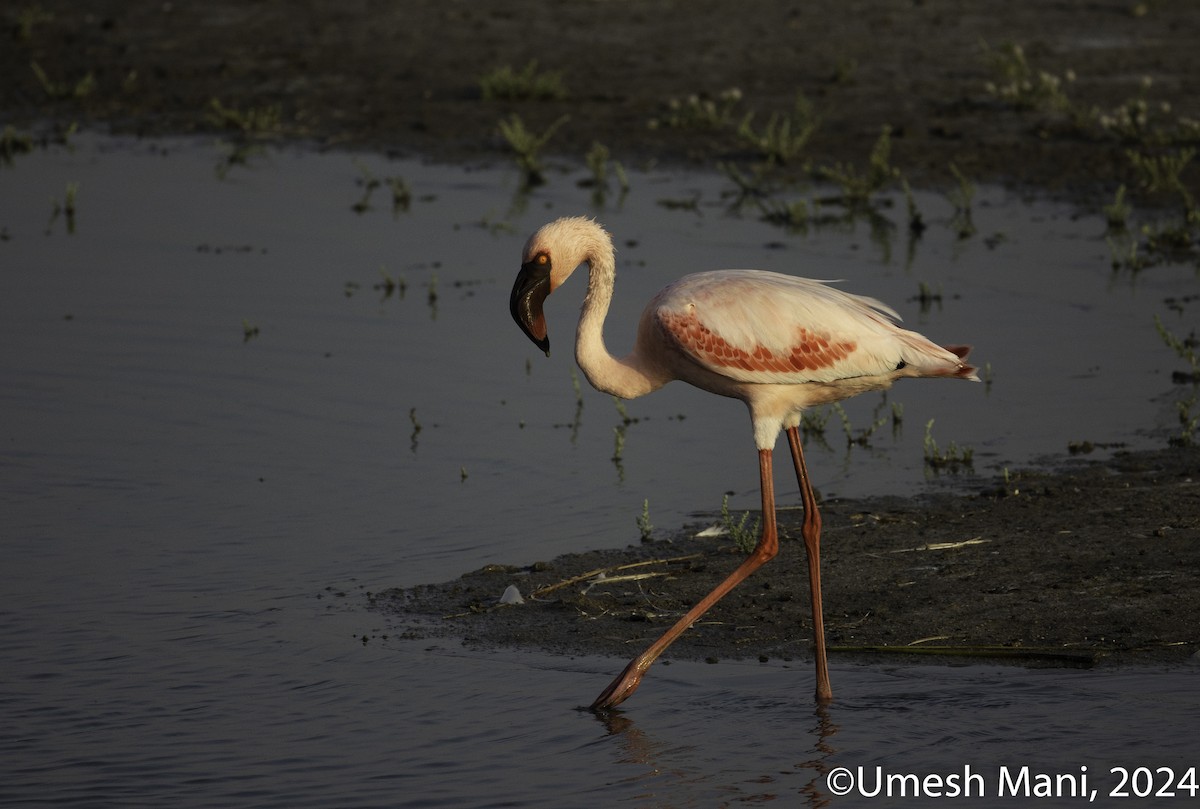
point(529, 292)
point(552, 253)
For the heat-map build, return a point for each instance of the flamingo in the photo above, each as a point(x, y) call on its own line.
point(780, 344)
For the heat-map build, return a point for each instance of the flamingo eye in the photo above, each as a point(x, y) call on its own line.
point(542, 259)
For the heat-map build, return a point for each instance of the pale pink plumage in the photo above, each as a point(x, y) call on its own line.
point(778, 343)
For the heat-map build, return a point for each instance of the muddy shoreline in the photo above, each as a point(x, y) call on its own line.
point(406, 78)
point(1092, 564)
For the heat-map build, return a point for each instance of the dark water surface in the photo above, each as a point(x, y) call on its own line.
point(191, 519)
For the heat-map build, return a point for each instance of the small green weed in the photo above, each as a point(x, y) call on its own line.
point(645, 527)
point(813, 422)
point(600, 163)
point(527, 147)
point(916, 223)
point(26, 19)
point(506, 84)
point(857, 187)
point(952, 457)
point(1188, 423)
point(1160, 171)
point(699, 111)
point(252, 122)
point(65, 209)
point(13, 144)
point(63, 90)
point(416, 429)
point(1186, 348)
point(1117, 213)
point(1018, 84)
point(961, 197)
point(861, 437)
point(401, 194)
point(784, 137)
point(743, 538)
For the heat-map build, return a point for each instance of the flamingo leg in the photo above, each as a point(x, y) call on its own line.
point(768, 546)
point(812, 546)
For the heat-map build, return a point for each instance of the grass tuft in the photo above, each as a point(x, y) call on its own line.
point(528, 84)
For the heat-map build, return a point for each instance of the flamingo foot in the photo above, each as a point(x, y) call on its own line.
point(621, 688)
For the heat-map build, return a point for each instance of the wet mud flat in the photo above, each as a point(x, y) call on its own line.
point(1095, 564)
point(406, 77)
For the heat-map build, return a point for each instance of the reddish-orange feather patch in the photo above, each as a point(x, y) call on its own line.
point(810, 352)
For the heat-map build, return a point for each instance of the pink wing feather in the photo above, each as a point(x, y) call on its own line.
point(763, 327)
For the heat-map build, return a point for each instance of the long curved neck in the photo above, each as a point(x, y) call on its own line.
point(626, 377)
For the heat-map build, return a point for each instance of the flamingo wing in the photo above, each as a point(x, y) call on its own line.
point(762, 327)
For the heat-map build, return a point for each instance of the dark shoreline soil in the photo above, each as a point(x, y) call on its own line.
point(1094, 563)
point(404, 77)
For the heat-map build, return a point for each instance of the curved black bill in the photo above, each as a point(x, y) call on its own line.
point(528, 293)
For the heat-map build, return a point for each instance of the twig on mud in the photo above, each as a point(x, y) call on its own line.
point(943, 546)
point(604, 571)
point(600, 574)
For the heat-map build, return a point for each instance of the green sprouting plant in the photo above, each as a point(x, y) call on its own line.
point(27, 18)
point(13, 144)
point(62, 90)
point(391, 286)
point(794, 216)
point(812, 422)
point(1188, 422)
point(401, 193)
point(599, 161)
point(618, 445)
point(863, 436)
point(743, 538)
point(1140, 120)
point(916, 223)
point(1160, 171)
point(416, 429)
point(1017, 83)
point(691, 203)
point(961, 197)
point(527, 146)
point(857, 187)
point(65, 209)
point(626, 419)
point(1126, 254)
point(506, 84)
point(1117, 213)
point(927, 296)
point(784, 137)
point(699, 111)
point(952, 457)
point(1184, 347)
point(252, 122)
point(432, 297)
point(755, 186)
point(645, 527)
point(1166, 239)
point(236, 154)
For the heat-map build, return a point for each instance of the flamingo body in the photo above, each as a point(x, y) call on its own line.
point(780, 344)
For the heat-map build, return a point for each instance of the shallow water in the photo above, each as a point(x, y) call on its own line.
point(191, 518)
